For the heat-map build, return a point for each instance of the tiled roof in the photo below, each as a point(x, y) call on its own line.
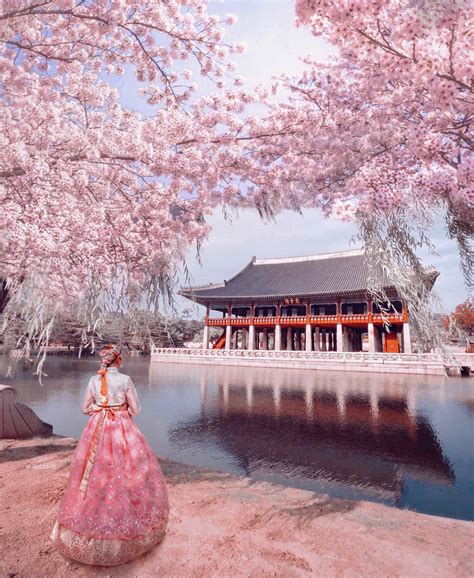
point(333, 273)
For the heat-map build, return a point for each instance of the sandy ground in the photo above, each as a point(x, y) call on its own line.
point(227, 526)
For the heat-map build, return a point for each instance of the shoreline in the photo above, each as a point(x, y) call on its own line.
point(226, 525)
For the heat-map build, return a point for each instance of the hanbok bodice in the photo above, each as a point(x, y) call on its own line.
point(120, 390)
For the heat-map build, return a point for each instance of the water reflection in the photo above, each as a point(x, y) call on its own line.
point(402, 440)
point(348, 434)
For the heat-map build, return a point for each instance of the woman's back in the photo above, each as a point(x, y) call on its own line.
point(120, 390)
point(115, 505)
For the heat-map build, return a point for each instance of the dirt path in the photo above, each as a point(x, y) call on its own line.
point(226, 526)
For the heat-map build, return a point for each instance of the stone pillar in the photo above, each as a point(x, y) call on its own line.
point(289, 339)
point(251, 343)
point(309, 338)
point(228, 336)
point(244, 340)
point(277, 337)
point(370, 329)
point(346, 339)
point(340, 346)
point(323, 341)
point(298, 340)
point(205, 337)
point(265, 338)
point(406, 338)
point(317, 345)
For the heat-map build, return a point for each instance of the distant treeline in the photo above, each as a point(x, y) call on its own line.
point(135, 332)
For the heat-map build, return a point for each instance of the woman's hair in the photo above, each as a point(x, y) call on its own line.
point(110, 354)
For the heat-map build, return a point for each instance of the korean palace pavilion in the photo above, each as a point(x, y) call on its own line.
point(312, 303)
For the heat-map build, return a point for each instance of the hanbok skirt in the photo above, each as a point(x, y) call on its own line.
point(115, 506)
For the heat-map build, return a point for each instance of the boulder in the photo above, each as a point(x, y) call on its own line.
point(17, 420)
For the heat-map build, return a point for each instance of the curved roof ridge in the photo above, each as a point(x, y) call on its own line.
point(203, 287)
point(316, 257)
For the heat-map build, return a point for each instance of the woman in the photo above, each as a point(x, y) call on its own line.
point(115, 506)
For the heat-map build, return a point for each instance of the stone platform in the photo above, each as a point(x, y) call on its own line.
point(403, 363)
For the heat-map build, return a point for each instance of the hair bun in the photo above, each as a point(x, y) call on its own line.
point(109, 354)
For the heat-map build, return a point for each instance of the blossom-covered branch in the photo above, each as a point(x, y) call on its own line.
point(99, 204)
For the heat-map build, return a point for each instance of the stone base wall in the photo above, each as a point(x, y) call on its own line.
point(404, 363)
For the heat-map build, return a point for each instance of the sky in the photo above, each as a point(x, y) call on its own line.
point(274, 45)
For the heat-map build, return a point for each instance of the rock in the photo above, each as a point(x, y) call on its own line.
point(17, 420)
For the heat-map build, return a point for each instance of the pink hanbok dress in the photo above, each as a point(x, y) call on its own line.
point(115, 506)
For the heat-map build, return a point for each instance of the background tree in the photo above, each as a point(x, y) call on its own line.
point(463, 316)
point(99, 203)
point(136, 331)
point(461, 320)
point(382, 134)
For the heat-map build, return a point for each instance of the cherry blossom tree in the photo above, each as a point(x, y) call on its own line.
point(381, 134)
point(99, 203)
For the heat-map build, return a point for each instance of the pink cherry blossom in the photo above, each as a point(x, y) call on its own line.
point(100, 204)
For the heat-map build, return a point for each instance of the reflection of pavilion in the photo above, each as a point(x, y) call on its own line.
point(357, 438)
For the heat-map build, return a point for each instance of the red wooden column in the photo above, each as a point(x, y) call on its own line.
point(404, 312)
point(369, 310)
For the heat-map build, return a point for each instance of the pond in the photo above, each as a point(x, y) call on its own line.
point(405, 441)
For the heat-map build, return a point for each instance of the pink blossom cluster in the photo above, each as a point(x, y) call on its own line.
point(388, 124)
point(95, 198)
point(101, 203)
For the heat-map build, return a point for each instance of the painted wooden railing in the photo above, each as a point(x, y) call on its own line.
point(301, 320)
